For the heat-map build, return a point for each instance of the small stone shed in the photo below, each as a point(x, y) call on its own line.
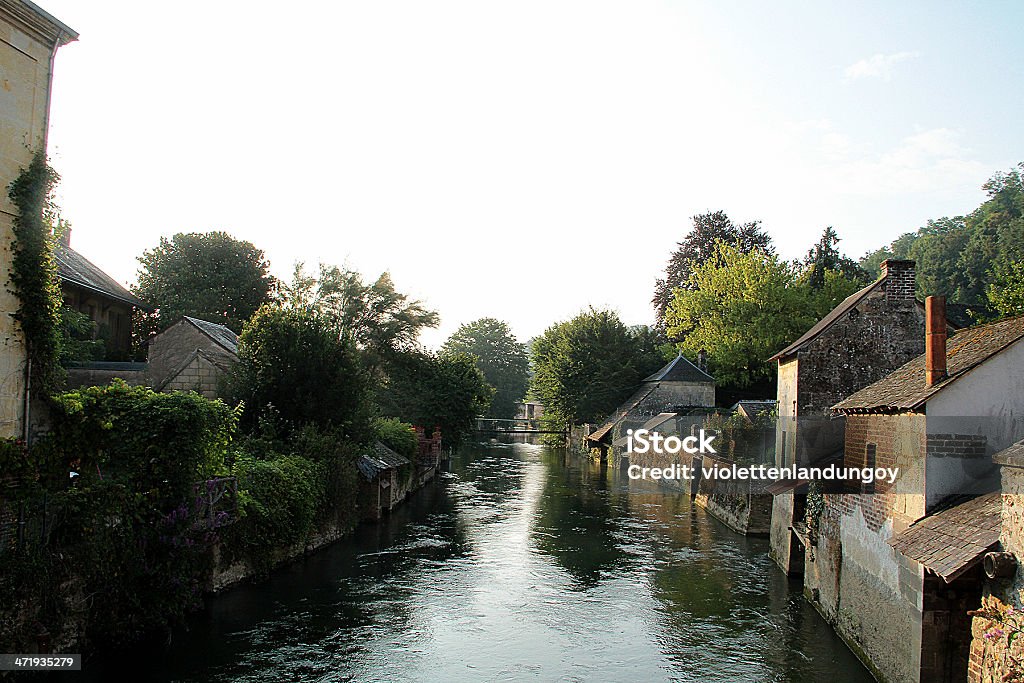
point(387, 480)
point(192, 355)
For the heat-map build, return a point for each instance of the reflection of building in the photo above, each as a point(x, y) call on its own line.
point(529, 411)
point(867, 336)
point(897, 567)
point(29, 38)
point(89, 290)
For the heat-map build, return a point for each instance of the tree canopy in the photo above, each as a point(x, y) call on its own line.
point(500, 356)
point(211, 276)
point(585, 367)
point(698, 247)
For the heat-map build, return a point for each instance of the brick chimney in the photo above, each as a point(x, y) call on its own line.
point(900, 279)
point(934, 339)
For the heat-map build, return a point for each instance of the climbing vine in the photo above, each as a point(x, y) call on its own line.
point(34, 271)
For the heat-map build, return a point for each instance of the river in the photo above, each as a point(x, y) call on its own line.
point(519, 563)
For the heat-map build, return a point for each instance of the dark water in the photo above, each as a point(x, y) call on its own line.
point(519, 564)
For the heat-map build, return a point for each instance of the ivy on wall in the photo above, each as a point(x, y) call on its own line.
point(34, 271)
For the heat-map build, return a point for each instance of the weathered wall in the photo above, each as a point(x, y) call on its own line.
point(98, 375)
point(171, 351)
point(25, 71)
point(198, 375)
point(743, 505)
point(670, 396)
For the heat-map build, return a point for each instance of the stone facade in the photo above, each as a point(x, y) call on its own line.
point(862, 340)
point(184, 357)
point(28, 41)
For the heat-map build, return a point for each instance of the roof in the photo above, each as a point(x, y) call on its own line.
point(44, 24)
point(75, 269)
point(220, 334)
point(752, 409)
point(1012, 456)
point(905, 388)
point(848, 304)
point(620, 414)
point(679, 369)
point(380, 459)
point(951, 541)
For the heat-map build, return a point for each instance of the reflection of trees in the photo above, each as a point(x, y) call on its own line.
point(575, 521)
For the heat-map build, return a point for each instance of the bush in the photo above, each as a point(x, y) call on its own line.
point(279, 499)
point(397, 435)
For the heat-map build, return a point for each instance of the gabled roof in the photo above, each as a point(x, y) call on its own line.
point(75, 269)
point(905, 388)
point(380, 459)
point(752, 409)
point(220, 334)
point(952, 541)
point(679, 369)
point(848, 304)
point(602, 431)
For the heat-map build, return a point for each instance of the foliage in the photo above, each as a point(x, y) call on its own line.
point(76, 342)
point(397, 435)
point(824, 257)
point(698, 247)
point(293, 363)
point(210, 275)
point(376, 317)
point(585, 367)
point(960, 257)
point(443, 389)
point(280, 500)
point(34, 271)
point(501, 358)
point(1005, 294)
point(741, 307)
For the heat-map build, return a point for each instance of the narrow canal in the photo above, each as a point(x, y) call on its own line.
point(519, 564)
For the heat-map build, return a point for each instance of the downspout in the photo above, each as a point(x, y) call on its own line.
point(57, 42)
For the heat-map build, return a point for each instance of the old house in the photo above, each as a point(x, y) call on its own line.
point(867, 336)
point(895, 566)
point(387, 479)
point(87, 289)
point(678, 387)
point(191, 355)
point(29, 40)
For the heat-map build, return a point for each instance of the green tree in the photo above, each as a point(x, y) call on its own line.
point(211, 276)
point(375, 316)
point(1006, 292)
point(501, 358)
point(825, 256)
point(698, 247)
point(741, 307)
point(293, 365)
point(444, 390)
point(585, 367)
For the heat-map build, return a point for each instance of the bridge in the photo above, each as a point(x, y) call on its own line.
point(487, 425)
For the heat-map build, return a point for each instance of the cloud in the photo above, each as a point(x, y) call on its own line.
point(878, 66)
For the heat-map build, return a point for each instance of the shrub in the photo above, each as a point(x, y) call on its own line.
point(397, 435)
point(279, 498)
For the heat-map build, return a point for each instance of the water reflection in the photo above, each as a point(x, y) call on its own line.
point(520, 564)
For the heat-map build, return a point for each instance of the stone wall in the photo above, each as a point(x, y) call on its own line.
point(743, 505)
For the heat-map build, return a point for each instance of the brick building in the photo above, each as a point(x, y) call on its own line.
point(867, 336)
point(895, 568)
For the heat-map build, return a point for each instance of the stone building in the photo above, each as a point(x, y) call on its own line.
point(29, 39)
point(678, 387)
point(867, 336)
point(87, 289)
point(191, 355)
point(388, 477)
point(895, 567)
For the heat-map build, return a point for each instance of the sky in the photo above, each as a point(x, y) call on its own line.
point(524, 160)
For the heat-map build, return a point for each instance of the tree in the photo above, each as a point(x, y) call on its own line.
point(501, 358)
point(699, 246)
point(376, 317)
point(210, 275)
point(741, 307)
point(825, 256)
point(1006, 292)
point(293, 366)
point(444, 390)
point(585, 367)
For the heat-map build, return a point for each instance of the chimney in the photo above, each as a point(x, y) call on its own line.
point(934, 340)
point(899, 279)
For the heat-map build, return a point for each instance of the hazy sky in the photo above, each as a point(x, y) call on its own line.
point(524, 159)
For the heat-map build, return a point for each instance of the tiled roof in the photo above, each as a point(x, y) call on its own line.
point(1012, 455)
point(905, 388)
point(951, 541)
point(75, 269)
point(752, 409)
point(679, 369)
point(380, 460)
point(847, 304)
point(218, 333)
point(620, 414)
